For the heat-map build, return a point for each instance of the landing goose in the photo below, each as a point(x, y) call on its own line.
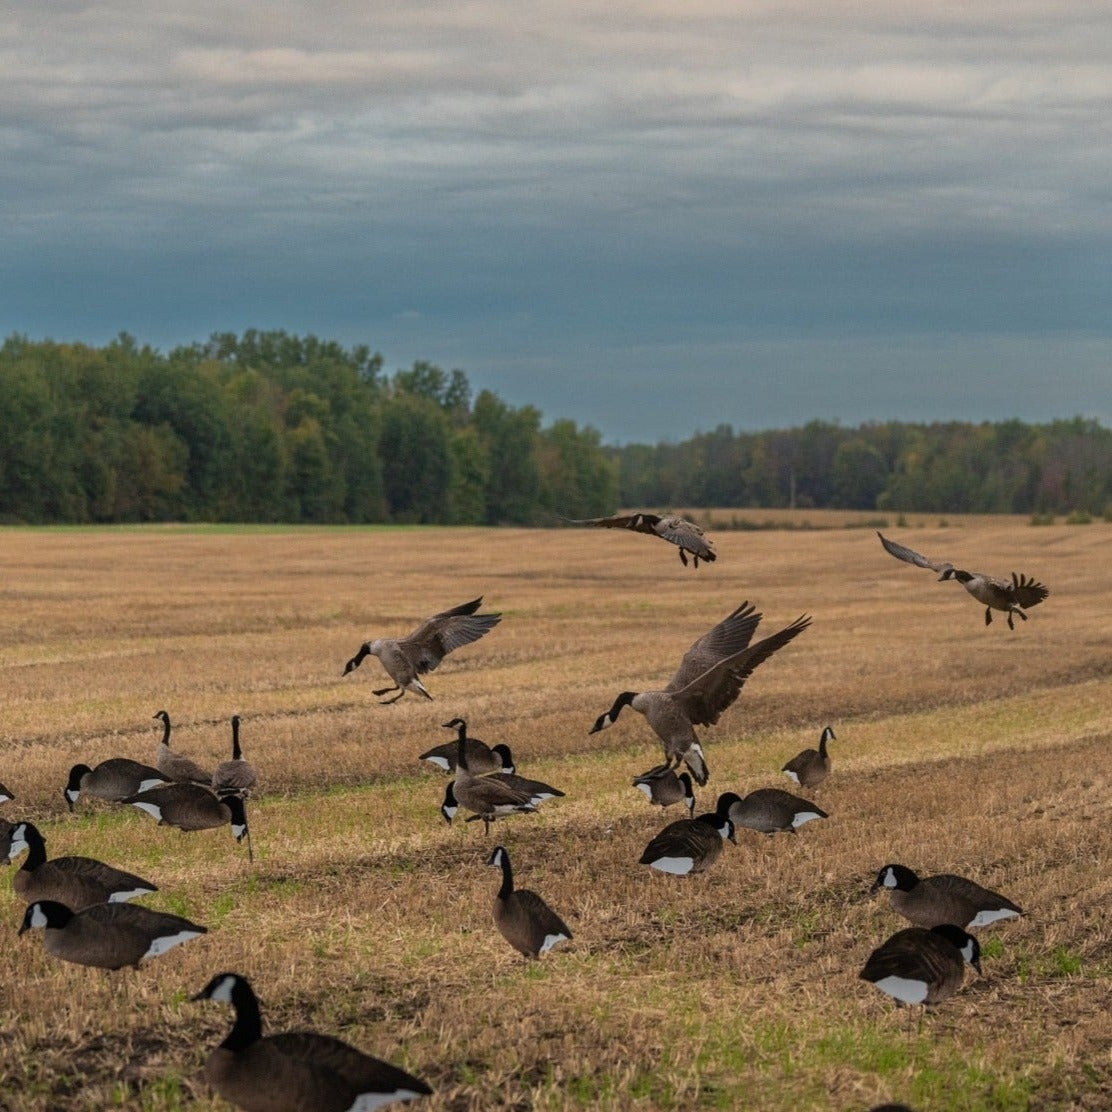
point(686, 535)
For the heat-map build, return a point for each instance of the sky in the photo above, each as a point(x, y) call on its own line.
point(651, 217)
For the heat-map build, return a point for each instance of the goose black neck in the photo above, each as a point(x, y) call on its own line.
point(36, 847)
point(461, 751)
point(822, 745)
point(248, 1027)
point(165, 728)
point(507, 877)
point(237, 753)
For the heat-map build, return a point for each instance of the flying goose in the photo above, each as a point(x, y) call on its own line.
point(708, 680)
point(686, 535)
point(297, 1071)
point(481, 758)
point(192, 807)
point(933, 900)
point(235, 776)
point(663, 787)
point(809, 768)
point(919, 966)
point(768, 810)
point(112, 780)
point(525, 921)
point(406, 658)
point(108, 935)
point(77, 882)
point(1011, 597)
point(174, 766)
point(689, 845)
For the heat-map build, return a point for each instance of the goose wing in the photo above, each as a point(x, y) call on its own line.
point(705, 697)
point(910, 556)
point(1027, 591)
point(638, 522)
point(439, 635)
point(727, 638)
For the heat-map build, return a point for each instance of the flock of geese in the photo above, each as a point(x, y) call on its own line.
point(83, 905)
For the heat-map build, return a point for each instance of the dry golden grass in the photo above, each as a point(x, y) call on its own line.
point(959, 748)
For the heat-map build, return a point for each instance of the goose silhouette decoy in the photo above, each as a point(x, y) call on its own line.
point(174, 766)
point(689, 846)
point(112, 780)
point(945, 898)
point(1010, 596)
point(709, 679)
point(77, 882)
point(405, 659)
point(920, 966)
point(809, 768)
point(107, 935)
point(297, 1071)
point(236, 776)
point(768, 810)
point(481, 758)
point(686, 535)
point(662, 787)
point(522, 917)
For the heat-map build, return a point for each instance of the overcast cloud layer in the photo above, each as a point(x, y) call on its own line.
point(650, 217)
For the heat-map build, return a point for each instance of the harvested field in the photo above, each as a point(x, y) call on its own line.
point(959, 748)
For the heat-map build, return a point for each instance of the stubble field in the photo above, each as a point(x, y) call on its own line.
point(959, 748)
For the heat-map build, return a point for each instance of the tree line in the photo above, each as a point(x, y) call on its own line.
point(273, 427)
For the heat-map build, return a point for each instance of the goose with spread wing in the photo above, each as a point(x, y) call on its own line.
point(686, 535)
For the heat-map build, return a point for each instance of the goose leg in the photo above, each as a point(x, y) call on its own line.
point(387, 702)
point(683, 558)
point(385, 690)
point(988, 615)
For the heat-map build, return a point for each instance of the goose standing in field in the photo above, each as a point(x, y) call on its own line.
point(175, 766)
point(192, 807)
point(236, 776)
point(934, 900)
point(663, 787)
point(112, 780)
point(686, 535)
point(407, 658)
point(1012, 597)
point(768, 810)
point(708, 680)
point(107, 935)
point(524, 920)
point(919, 966)
point(297, 1071)
point(809, 768)
point(77, 882)
point(689, 845)
point(481, 758)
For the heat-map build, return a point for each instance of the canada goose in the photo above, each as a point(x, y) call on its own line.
point(5, 795)
point(768, 810)
point(77, 882)
point(112, 780)
point(406, 658)
point(689, 845)
point(933, 900)
point(994, 594)
point(708, 680)
point(686, 535)
point(919, 966)
point(492, 809)
point(481, 758)
point(174, 766)
point(235, 776)
point(663, 787)
point(108, 935)
point(525, 921)
point(192, 807)
point(809, 768)
point(297, 1071)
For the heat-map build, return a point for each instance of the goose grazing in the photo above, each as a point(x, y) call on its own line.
point(524, 920)
point(663, 787)
point(77, 882)
point(809, 768)
point(919, 966)
point(192, 807)
point(112, 780)
point(689, 845)
point(481, 758)
point(108, 935)
point(708, 680)
point(1012, 597)
point(236, 776)
point(173, 766)
point(297, 1071)
point(768, 810)
point(686, 535)
point(407, 658)
point(934, 900)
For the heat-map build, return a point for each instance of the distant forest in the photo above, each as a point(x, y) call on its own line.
point(271, 427)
